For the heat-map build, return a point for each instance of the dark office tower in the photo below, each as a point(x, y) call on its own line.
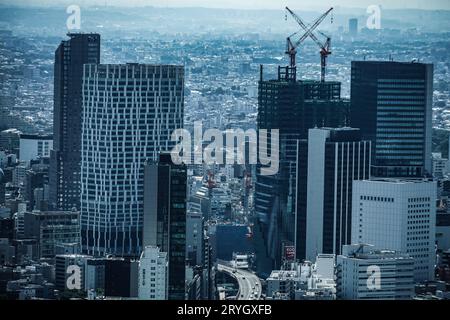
point(293, 107)
point(66, 154)
point(353, 26)
point(7, 228)
point(129, 114)
point(392, 104)
point(2, 187)
point(336, 157)
point(165, 217)
point(121, 278)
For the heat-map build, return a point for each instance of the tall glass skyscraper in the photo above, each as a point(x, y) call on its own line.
point(129, 114)
point(165, 218)
point(65, 157)
point(391, 102)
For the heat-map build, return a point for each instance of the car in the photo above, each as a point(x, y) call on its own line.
point(243, 278)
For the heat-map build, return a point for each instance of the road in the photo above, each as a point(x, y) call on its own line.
point(249, 283)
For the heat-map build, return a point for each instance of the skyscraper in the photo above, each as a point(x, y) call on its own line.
point(129, 114)
point(66, 154)
point(165, 218)
point(392, 104)
point(293, 107)
point(353, 26)
point(398, 215)
point(336, 157)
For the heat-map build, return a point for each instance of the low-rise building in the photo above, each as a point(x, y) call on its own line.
point(153, 274)
point(364, 273)
point(306, 281)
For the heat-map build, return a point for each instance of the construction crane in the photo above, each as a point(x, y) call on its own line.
point(325, 48)
point(325, 51)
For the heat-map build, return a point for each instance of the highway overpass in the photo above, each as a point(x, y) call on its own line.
point(249, 283)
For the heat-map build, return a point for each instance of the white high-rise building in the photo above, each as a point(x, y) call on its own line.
point(129, 114)
point(153, 267)
point(364, 273)
point(397, 215)
point(336, 157)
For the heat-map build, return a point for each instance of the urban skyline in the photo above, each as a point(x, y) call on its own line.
point(131, 199)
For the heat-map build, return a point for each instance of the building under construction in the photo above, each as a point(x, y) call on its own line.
point(292, 106)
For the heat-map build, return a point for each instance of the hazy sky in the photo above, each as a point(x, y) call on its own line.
point(248, 4)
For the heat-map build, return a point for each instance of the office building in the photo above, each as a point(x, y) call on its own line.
point(121, 278)
point(201, 202)
point(392, 104)
point(153, 274)
point(19, 172)
point(3, 180)
point(94, 278)
point(34, 147)
point(6, 228)
point(442, 230)
point(19, 221)
point(305, 281)
point(67, 278)
point(366, 273)
point(282, 282)
point(70, 56)
point(36, 186)
point(398, 215)
point(194, 283)
point(165, 193)
point(440, 165)
point(52, 228)
point(292, 107)
point(194, 238)
point(65, 157)
point(336, 157)
point(353, 26)
point(6, 252)
point(10, 141)
point(129, 114)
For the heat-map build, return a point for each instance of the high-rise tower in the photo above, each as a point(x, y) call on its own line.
point(392, 104)
point(336, 158)
point(165, 218)
point(129, 114)
point(66, 154)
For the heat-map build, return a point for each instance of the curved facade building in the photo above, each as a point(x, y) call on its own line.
point(129, 114)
